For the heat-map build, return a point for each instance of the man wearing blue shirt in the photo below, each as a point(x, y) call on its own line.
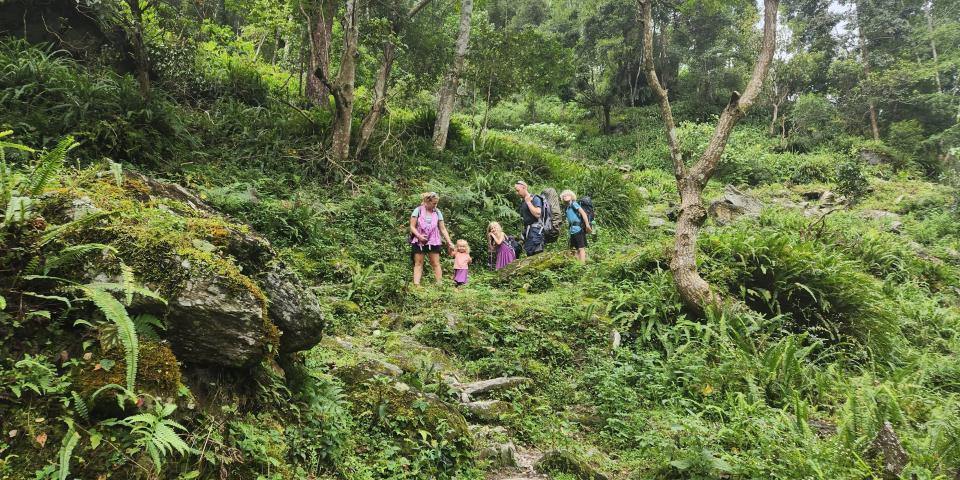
point(531, 207)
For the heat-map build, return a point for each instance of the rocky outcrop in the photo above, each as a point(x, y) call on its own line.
point(230, 301)
point(293, 308)
point(733, 205)
point(482, 387)
point(212, 322)
point(558, 461)
point(887, 448)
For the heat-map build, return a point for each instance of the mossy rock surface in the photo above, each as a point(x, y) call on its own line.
point(414, 419)
point(560, 461)
point(158, 372)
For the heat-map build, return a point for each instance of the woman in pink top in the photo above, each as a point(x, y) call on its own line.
point(427, 233)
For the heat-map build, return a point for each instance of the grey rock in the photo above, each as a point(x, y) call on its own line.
point(872, 157)
point(294, 308)
point(656, 222)
point(879, 215)
point(886, 446)
point(486, 410)
point(213, 322)
point(501, 455)
point(615, 339)
point(733, 205)
point(483, 387)
point(81, 207)
point(896, 227)
point(828, 198)
point(559, 461)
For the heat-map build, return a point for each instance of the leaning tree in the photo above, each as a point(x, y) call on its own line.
point(695, 292)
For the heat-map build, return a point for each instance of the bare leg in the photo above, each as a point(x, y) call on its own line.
point(435, 263)
point(417, 268)
point(437, 269)
point(582, 255)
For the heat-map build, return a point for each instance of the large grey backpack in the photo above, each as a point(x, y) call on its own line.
point(551, 216)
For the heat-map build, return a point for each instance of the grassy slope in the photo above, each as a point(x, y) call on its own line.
point(856, 325)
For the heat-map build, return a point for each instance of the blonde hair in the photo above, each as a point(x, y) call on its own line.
point(573, 196)
point(464, 243)
point(494, 226)
point(429, 196)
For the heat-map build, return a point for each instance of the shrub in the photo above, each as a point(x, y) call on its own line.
point(851, 181)
point(814, 122)
point(244, 83)
point(549, 133)
point(821, 291)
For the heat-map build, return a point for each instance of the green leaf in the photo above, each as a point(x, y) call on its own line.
point(3, 303)
point(66, 451)
point(107, 364)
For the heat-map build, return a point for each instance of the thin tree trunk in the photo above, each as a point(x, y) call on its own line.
point(448, 93)
point(380, 89)
point(486, 111)
point(379, 97)
point(139, 48)
point(695, 292)
point(871, 105)
point(773, 121)
point(320, 28)
point(933, 45)
point(342, 88)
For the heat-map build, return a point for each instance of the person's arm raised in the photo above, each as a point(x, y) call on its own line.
point(534, 210)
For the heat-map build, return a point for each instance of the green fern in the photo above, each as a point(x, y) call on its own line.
point(157, 434)
point(79, 405)
point(66, 451)
point(48, 166)
point(73, 252)
point(147, 326)
point(115, 312)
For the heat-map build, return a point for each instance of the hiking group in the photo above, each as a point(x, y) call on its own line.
point(541, 218)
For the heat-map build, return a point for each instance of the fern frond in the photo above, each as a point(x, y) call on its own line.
point(79, 405)
point(148, 325)
point(128, 282)
point(115, 312)
point(71, 253)
point(49, 165)
point(122, 288)
point(66, 451)
point(55, 232)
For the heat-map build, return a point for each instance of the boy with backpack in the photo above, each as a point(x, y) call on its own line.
point(541, 217)
point(580, 217)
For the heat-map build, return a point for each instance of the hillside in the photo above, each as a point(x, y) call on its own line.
point(195, 287)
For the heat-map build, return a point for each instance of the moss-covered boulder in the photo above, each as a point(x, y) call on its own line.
point(228, 297)
point(560, 461)
point(158, 373)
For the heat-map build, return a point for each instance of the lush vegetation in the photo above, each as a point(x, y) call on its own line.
point(844, 291)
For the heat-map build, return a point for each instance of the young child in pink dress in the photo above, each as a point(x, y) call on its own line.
point(461, 263)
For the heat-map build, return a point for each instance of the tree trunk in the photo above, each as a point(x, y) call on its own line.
point(695, 292)
point(448, 93)
point(605, 118)
point(342, 87)
point(139, 48)
point(321, 35)
point(933, 45)
point(871, 105)
point(379, 97)
point(773, 121)
point(380, 89)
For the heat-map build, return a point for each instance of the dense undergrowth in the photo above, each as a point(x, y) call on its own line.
point(851, 323)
